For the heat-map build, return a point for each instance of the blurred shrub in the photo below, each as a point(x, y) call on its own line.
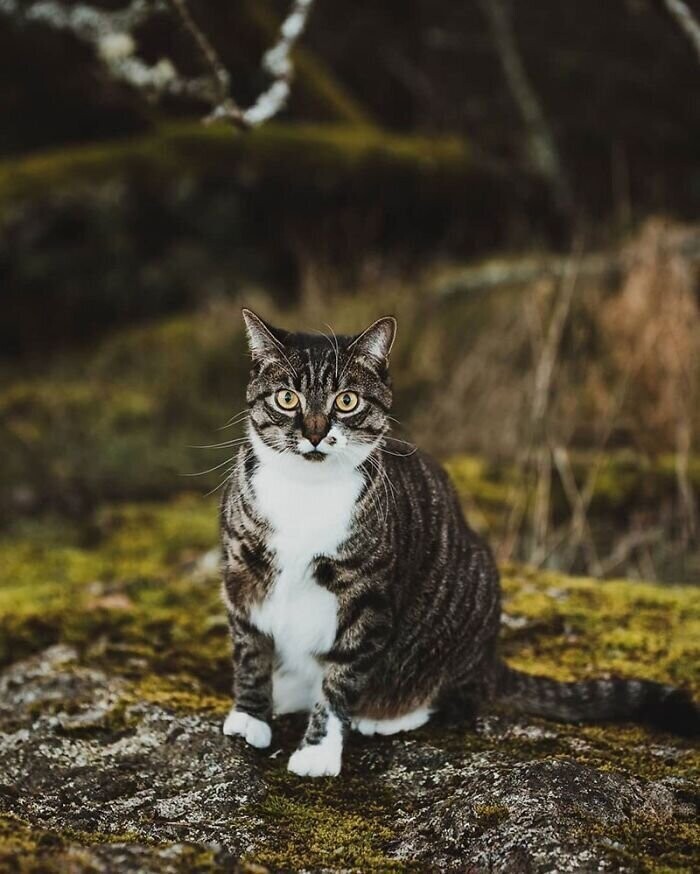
point(119, 423)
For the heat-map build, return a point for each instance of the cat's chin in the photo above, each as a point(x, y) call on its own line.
point(314, 455)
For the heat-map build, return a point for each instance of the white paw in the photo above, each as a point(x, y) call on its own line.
point(256, 732)
point(319, 760)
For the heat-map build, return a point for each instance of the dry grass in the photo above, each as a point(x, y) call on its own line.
point(528, 375)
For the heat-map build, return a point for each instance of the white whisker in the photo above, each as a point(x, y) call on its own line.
point(223, 445)
point(211, 469)
point(337, 349)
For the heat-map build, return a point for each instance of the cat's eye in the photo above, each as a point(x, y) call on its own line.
point(287, 399)
point(347, 401)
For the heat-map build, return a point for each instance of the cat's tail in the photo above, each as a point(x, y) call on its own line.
point(615, 700)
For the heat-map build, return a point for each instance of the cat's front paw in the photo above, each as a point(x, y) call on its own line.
point(316, 760)
point(255, 732)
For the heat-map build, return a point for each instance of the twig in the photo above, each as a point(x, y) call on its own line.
point(528, 270)
point(212, 60)
point(277, 62)
point(686, 494)
point(579, 530)
point(542, 383)
point(543, 148)
point(626, 546)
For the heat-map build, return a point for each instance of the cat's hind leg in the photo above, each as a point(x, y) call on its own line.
point(408, 722)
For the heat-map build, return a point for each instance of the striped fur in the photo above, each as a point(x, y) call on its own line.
point(355, 589)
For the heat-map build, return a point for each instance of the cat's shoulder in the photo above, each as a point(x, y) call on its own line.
point(402, 454)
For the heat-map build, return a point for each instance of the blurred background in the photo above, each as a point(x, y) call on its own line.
point(518, 183)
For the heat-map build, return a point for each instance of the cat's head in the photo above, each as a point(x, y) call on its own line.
point(319, 397)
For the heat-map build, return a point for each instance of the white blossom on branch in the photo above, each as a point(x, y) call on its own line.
point(276, 61)
point(686, 21)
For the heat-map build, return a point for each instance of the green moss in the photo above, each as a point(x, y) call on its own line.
point(180, 694)
point(26, 849)
point(578, 628)
point(649, 844)
point(218, 149)
point(487, 816)
point(134, 599)
point(134, 602)
point(319, 824)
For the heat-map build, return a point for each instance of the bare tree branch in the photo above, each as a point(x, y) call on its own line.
point(542, 145)
point(527, 270)
point(277, 62)
point(208, 52)
point(111, 34)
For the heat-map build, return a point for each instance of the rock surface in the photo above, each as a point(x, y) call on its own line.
point(112, 757)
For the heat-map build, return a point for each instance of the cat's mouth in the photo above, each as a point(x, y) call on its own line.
point(314, 455)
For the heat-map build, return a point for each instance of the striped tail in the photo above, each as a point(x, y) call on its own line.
point(615, 700)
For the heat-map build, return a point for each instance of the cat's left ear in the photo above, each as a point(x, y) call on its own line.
point(377, 340)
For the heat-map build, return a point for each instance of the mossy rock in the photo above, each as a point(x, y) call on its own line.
point(274, 149)
point(124, 421)
point(116, 682)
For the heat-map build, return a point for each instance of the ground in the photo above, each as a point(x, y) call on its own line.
point(115, 682)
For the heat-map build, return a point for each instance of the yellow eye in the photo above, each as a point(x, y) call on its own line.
point(347, 401)
point(287, 399)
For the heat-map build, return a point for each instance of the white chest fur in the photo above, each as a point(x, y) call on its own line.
point(310, 511)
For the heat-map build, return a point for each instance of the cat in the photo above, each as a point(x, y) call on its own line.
point(355, 589)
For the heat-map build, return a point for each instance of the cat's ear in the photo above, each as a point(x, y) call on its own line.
point(377, 340)
point(263, 339)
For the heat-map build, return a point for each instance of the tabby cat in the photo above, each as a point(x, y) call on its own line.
point(355, 590)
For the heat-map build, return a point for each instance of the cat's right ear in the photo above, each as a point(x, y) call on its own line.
point(261, 337)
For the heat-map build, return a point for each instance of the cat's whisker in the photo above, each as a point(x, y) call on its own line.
point(293, 373)
point(231, 472)
point(388, 486)
point(241, 414)
point(337, 349)
point(234, 424)
point(407, 442)
point(371, 494)
point(398, 454)
point(223, 445)
point(211, 469)
point(383, 479)
point(334, 346)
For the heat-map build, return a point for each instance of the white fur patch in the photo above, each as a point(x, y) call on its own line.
point(256, 732)
point(323, 759)
point(407, 722)
point(309, 506)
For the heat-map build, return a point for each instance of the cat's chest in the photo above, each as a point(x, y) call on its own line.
point(306, 519)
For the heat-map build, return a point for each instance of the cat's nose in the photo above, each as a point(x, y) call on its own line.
point(314, 427)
